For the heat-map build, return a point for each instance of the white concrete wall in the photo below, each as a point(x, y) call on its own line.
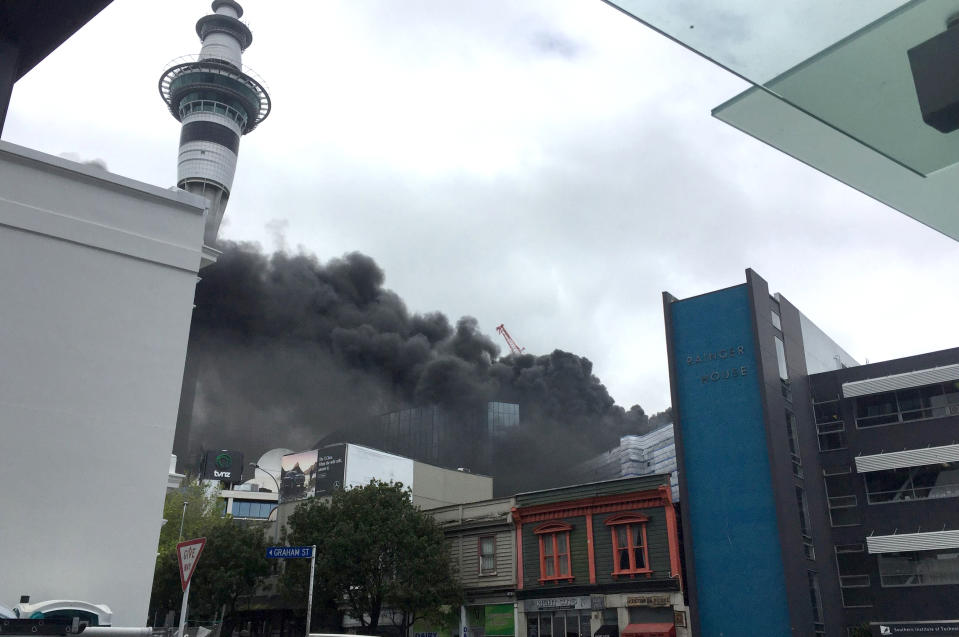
point(436, 487)
point(97, 280)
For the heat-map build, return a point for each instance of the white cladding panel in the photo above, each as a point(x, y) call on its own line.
point(364, 464)
point(901, 381)
point(92, 344)
point(913, 542)
point(908, 458)
point(222, 47)
point(206, 160)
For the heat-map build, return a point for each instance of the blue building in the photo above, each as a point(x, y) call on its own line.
point(816, 493)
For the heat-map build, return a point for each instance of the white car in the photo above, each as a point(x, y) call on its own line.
point(93, 614)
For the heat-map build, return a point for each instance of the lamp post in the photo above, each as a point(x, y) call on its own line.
point(276, 531)
point(182, 518)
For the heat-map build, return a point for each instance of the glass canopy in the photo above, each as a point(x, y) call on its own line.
point(833, 88)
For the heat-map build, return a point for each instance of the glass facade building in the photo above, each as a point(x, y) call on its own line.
point(438, 435)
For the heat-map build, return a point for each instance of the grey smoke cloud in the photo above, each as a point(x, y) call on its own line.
point(96, 162)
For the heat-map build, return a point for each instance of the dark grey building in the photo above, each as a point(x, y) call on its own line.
point(887, 438)
point(453, 438)
point(813, 490)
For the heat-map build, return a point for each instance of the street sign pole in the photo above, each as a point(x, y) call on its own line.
point(186, 595)
point(309, 601)
point(187, 556)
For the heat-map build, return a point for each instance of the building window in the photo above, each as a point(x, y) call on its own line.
point(781, 359)
point(630, 554)
point(842, 500)
point(808, 548)
point(919, 568)
point(570, 623)
point(793, 444)
point(838, 470)
point(831, 436)
point(815, 599)
point(554, 552)
point(830, 428)
point(487, 555)
point(827, 412)
point(775, 319)
point(252, 510)
point(913, 483)
point(852, 564)
point(904, 405)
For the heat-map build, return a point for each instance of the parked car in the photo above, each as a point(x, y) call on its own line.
point(93, 614)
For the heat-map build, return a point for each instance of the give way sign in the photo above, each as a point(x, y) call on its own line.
point(187, 555)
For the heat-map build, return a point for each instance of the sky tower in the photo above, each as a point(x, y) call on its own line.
point(217, 103)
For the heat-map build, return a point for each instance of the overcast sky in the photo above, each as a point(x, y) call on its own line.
point(551, 165)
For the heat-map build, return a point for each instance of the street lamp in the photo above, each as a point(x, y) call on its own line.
point(182, 518)
point(276, 531)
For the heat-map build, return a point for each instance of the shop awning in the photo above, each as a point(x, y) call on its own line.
point(650, 630)
point(607, 630)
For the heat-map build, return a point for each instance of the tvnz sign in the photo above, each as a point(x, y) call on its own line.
point(223, 465)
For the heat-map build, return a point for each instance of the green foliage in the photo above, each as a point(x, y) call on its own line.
point(377, 553)
point(232, 564)
point(862, 630)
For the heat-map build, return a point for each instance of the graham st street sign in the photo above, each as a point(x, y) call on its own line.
point(289, 552)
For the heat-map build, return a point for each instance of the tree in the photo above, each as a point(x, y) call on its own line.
point(862, 630)
point(378, 554)
point(231, 567)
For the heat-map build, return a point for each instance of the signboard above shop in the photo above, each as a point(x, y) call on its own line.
point(582, 602)
point(653, 600)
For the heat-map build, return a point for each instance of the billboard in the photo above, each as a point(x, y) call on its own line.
point(223, 465)
point(330, 469)
point(364, 464)
point(297, 475)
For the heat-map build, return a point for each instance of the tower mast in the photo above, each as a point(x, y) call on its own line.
point(216, 102)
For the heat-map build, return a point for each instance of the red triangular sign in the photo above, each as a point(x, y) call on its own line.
point(187, 555)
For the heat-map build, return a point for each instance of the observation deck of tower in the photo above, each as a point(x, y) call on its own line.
point(216, 102)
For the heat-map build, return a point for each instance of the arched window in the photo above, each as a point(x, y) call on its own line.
point(554, 562)
point(630, 550)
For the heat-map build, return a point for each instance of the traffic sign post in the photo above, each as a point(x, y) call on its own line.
point(187, 556)
point(309, 600)
point(293, 553)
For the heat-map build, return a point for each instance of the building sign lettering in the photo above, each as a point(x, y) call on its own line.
point(725, 354)
point(905, 629)
point(649, 600)
point(554, 603)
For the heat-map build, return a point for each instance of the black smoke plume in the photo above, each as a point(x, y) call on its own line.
point(285, 349)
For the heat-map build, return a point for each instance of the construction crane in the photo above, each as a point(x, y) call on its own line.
point(513, 347)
